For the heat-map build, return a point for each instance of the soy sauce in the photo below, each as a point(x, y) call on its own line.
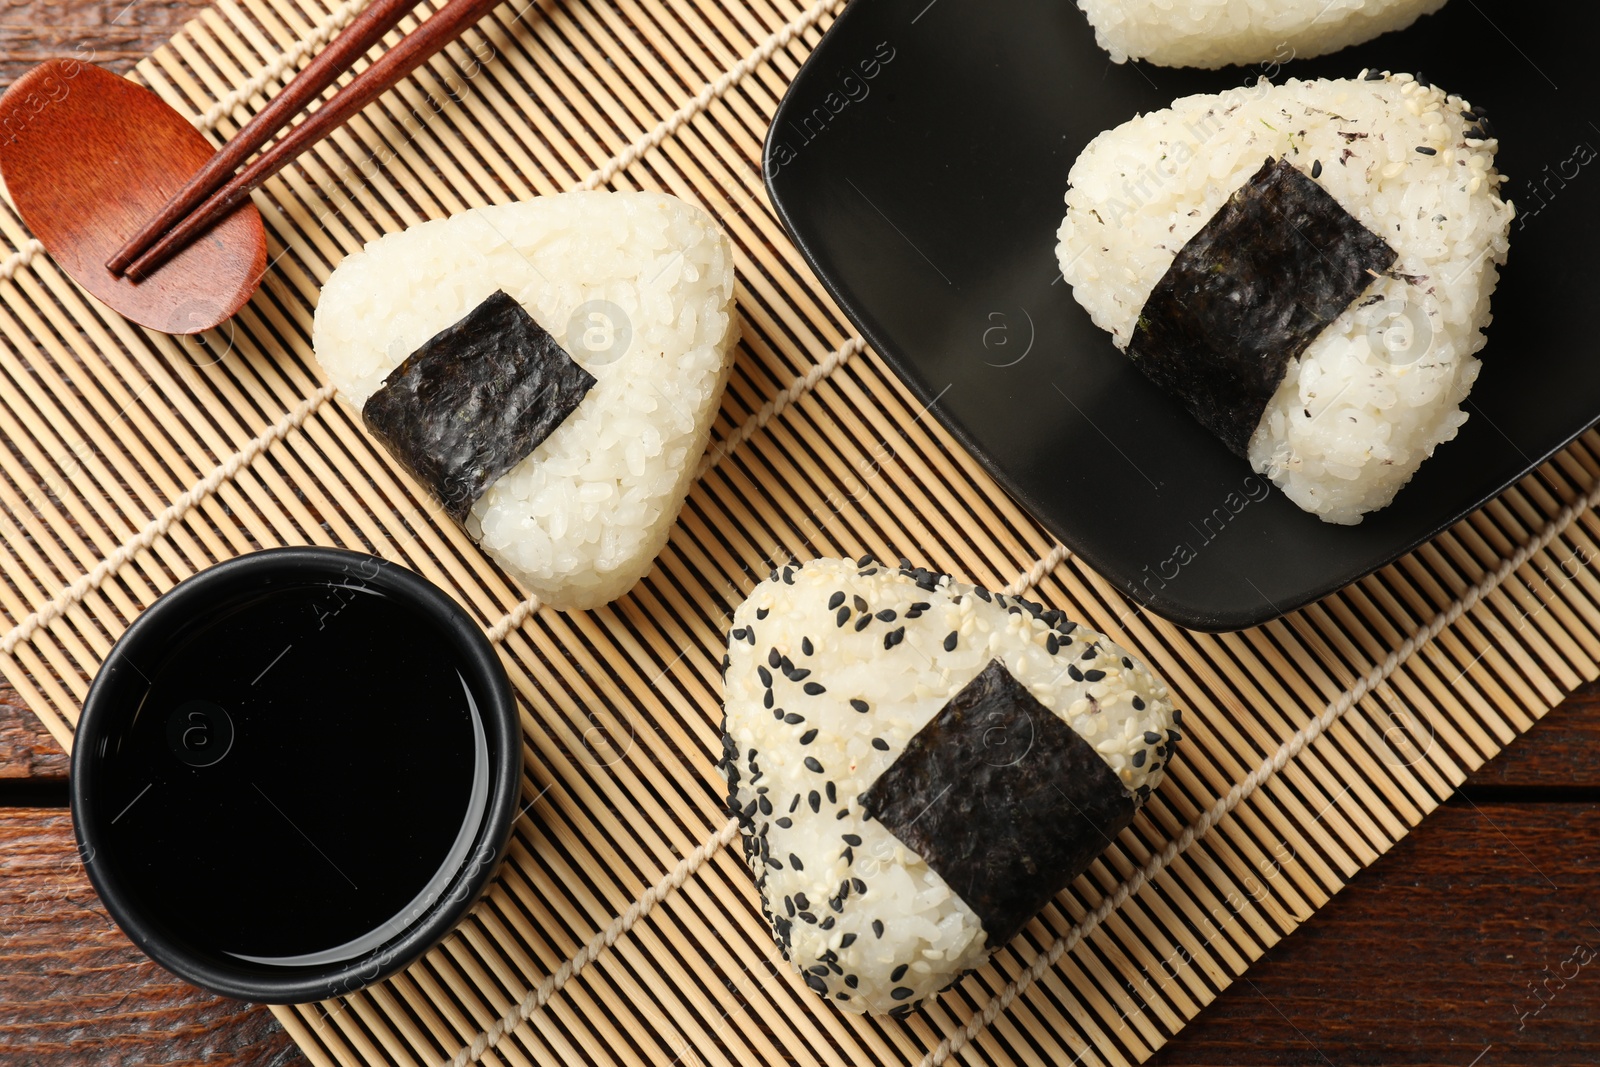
point(304, 773)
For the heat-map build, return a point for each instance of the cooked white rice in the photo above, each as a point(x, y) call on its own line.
point(1382, 386)
point(925, 935)
point(580, 519)
point(1219, 33)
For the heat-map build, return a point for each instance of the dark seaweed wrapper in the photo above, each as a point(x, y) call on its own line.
point(1249, 293)
point(1003, 799)
point(475, 400)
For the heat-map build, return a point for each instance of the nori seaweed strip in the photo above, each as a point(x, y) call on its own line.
point(1249, 293)
point(1003, 799)
point(475, 400)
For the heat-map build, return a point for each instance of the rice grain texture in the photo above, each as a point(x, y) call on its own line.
point(832, 668)
point(1220, 33)
point(1381, 388)
point(638, 288)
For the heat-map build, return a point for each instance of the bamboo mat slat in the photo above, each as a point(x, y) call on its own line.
point(623, 928)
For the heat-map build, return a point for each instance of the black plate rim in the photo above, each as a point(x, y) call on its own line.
point(1186, 614)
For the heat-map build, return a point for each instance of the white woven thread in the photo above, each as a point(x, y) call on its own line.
point(281, 64)
point(537, 997)
point(1263, 773)
point(159, 525)
point(711, 91)
point(22, 257)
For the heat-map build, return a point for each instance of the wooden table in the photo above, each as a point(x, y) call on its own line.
point(1439, 954)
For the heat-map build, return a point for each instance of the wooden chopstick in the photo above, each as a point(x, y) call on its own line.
point(216, 194)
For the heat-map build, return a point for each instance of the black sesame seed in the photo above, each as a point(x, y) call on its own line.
point(950, 641)
point(861, 603)
point(750, 635)
point(1316, 169)
point(1093, 675)
point(814, 798)
point(863, 622)
point(835, 600)
point(851, 839)
point(860, 705)
point(900, 992)
point(899, 972)
point(792, 719)
point(845, 942)
point(1090, 653)
point(765, 805)
point(894, 637)
point(858, 885)
point(775, 864)
point(785, 822)
point(765, 676)
point(773, 659)
point(833, 793)
point(1426, 151)
point(851, 980)
point(1051, 644)
point(799, 675)
point(1375, 76)
point(843, 616)
point(806, 647)
point(815, 689)
point(848, 855)
point(817, 984)
point(886, 615)
point(844, 813)
point(767, 699)
point(807, 917)
point(880, 744)
point(794, 861)
point(1138, 758)
point(800, 899)
point(983, 594)
point(795, 803)
point(738, 635)
point(1151, 737)
point(1127, 663)
point(813, 765)
point(777, 713)
point(1138, 703)
point(877, 927)
point(827, 924)
point(864, 561)
point(1177, 715)
point(727, 661)
point(1074, 673)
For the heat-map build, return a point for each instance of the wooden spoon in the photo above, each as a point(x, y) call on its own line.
point(87, 158)
point(102, 171)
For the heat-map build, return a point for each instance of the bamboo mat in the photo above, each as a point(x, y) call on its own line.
point(622, 929)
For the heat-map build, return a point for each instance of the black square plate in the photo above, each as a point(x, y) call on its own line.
point(920, 161)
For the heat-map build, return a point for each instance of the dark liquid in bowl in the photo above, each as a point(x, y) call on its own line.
point(304, 773)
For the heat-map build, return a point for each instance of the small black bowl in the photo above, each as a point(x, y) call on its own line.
point(295, 773)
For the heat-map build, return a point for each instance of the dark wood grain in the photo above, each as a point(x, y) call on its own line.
point(112, 33)
point(1429, 956)
point(1436, 955)
point(74, 990)
point(27, 751)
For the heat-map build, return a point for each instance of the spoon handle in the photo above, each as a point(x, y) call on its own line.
point(181, 221)
point(364, 31)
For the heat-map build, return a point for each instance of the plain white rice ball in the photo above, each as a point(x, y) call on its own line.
point(1381, 387)
point(1220, 33)
point(638, 288)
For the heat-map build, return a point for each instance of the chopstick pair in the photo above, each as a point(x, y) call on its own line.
point(215, 190)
